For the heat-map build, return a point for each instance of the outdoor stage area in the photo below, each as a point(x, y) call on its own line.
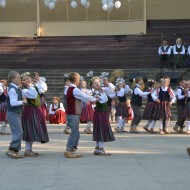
point(138, 162)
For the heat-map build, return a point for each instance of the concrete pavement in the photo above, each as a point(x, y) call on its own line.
point(138, 161)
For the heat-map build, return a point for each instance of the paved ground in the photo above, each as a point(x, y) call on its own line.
point(138, 161)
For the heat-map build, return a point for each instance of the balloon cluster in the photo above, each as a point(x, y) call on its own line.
point(85, 3)
point(3, 3)
point(108, 5)
point(50, 3)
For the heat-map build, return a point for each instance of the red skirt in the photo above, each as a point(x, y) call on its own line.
point(59, 117)
point(101, 127)
point(122, 110)
point(186, 111)
point(44, 108)
point(87, 112)
point(162, 111)
point(3, 111)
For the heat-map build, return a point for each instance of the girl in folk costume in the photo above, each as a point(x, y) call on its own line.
point(102, 131)
point(3, 107)
point(87, 109)
point(57, 113)
point(37, 80)
point(33, 122)
point(165, 97)
point(149, 111)
point(136, 103)
point(122, 109)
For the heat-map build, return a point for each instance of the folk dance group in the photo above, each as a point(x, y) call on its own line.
point(100, 103)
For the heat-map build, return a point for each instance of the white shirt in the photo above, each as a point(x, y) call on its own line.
point(175, 52)
point(160, 52)
point(81, 95)
point(178, 93)
point(1, 88)
point(103, 97)
point(42, 86)
point(13, 96)
point(128, 89)
point(155, 94)
point(188, 50)
point(55, 107)
point(109, 90)
point(121, 92)
point(139, 92)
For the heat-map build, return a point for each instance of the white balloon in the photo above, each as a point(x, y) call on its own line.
point(87, 5)
point(110, 5)
point(47, 2)
point(105, 7)
point(83, 2)
point(52, 5)
point(117, 4)
point(74, 4)
point(3, 3)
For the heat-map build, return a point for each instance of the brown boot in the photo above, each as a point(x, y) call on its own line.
point(146, 128)
point(88, 131)
point(166, 131)
point(69, 154)
point(176, 128)
point(102, 152)
point(152, 131)
point(74, 151)
point(96, 150)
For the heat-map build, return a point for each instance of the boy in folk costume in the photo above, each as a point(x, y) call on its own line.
point(33, 121)
point(14, 113)
point(179, 53)
point(165, 97)
point(87, 110)
point(102, 131)
point(136, 103)
point(57, 113)
point(3, 107)
point(181, 96)
point(73, 111)
point(149, 111)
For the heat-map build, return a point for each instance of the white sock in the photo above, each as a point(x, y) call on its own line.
point(120, 123)
point(167, 122)
point(101, 144)
point(4, 124)
point(153, 123)
point(124, 122)
point(89, 123)
point(148, 123)
point(160, 124)
point(28, 145)
point(188, 128)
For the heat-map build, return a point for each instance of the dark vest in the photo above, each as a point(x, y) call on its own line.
point(182, 101)
point(57, 107)
point(122, 99)
point(164, 95)
point(150, 99)
point(136, 100)
point(178, 49)
point(3, 98)
point(16, 109)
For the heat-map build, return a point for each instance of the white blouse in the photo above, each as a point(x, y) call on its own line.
point(55, 107)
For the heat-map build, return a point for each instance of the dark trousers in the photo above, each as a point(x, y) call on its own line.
point(137, 115)
point(180, 122)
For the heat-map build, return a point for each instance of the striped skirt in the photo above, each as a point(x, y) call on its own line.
point(150, 111)
point(33, 124)
point(122, 110)
point(162, 111)
point(87, 112)
point(101, 127)
point(3, 111)
point(186, 111)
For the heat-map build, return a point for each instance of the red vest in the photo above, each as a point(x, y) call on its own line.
point(73, 105)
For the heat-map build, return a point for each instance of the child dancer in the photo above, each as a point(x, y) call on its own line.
point(33, 122)
point(14, 113)
point(165, 97)
point(122, 109)
point(113, 110)
point(136, 103)
point(149, 111)
point(57, 113)
point(181, 96)
point(74, 98)
point(101, 127)
point(87, 110)
point(3, 107)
